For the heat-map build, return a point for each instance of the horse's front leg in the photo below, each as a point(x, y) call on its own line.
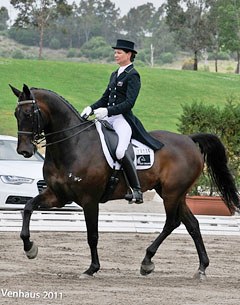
point(46, 199)
point(30, 247)
point(91, 218)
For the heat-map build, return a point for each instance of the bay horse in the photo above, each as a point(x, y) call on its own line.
point(75, 169)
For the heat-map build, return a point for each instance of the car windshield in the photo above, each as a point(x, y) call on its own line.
point(8, 152)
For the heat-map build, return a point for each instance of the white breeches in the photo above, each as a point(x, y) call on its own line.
point(124, 131)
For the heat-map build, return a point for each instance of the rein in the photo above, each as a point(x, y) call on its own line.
point(67, 129)
point(38, 137)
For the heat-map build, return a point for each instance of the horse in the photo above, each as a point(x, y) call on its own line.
point(75, 169)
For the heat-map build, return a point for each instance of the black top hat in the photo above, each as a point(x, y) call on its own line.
point(125, 45)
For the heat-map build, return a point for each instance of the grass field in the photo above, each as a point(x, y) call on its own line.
point(159, 103)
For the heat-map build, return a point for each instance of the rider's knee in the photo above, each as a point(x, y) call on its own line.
point(120, 153)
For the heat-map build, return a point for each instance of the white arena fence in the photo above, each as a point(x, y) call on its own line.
point(73, 221)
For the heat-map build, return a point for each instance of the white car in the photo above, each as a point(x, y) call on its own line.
point(20, 178)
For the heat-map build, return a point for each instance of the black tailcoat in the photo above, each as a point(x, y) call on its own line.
point(120, 97)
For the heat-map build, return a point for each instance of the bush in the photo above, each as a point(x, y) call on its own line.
point(54, 44)
point(188, 64)
point(224, 122)
point(167, 58)
point(196, 118)
point(72, 53)
point(220, 56)
point(28, 37)
point(144, 55)
point(97, 48)
point(18, 54)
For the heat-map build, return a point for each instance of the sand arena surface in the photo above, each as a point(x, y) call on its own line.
point(54, 276)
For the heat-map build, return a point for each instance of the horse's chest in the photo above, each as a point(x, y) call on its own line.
point(65, 184)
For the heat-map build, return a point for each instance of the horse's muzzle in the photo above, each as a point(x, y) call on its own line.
point(26, 154)
point(26, 150)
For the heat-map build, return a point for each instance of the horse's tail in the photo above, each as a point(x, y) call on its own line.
point(216, 160)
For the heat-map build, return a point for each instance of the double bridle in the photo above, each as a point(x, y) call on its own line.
point(37, 121)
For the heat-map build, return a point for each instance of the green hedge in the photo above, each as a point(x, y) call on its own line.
point(224, 122)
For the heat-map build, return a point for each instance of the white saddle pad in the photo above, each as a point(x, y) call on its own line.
point(143, 155)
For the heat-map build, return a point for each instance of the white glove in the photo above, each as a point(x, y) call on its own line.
point(86, 112)
point(101, 113)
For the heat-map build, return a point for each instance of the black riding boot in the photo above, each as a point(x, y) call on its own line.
point(131, 172)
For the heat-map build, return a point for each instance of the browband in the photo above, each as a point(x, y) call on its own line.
point(26, 102)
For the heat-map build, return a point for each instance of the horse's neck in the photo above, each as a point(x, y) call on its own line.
point(61, 122)
point(60, 118)
point(64, 123)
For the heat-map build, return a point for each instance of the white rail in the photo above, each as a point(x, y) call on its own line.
point(114, 222)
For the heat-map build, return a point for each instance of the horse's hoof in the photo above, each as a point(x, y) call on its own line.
point(200, 275)
point(32, 253)
point(147, 269)
point(85, 276)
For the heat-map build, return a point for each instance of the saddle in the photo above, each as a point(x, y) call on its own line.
point(142, 155)
point(111, 139)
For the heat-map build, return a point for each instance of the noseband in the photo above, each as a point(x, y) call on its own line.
point(36, 121)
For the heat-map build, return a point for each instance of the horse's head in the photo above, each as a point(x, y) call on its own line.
point(29, 121)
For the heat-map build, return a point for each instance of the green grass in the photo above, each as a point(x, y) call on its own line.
point(158, 105)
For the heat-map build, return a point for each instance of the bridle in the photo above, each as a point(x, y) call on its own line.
point(38, 122)
point(37, 119)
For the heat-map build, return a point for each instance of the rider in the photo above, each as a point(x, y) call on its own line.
point(115, 106)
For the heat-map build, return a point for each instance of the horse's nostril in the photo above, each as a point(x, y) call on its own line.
point(25, 154)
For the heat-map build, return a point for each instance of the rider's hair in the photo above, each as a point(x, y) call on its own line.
point(132, 56)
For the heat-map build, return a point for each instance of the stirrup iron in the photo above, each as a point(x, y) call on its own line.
point(135, 196)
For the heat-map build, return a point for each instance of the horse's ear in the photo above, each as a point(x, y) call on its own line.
point(26, 91)
point(15, 91)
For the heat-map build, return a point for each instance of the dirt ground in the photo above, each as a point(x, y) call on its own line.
point(54, 276)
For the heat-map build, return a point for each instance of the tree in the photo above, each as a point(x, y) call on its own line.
point(229, 26)
point(108, 16)
point(4, 17)
point(87, 13)
point(39, 14)
point(188, 20)
point(162, 39)
point(64, 29)
point(137, 23)
point(213, 25)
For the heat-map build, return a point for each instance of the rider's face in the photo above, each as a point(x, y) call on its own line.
point(122, 58)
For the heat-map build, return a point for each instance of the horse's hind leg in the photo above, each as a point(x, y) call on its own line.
point(172, 222)
point(192, 225)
